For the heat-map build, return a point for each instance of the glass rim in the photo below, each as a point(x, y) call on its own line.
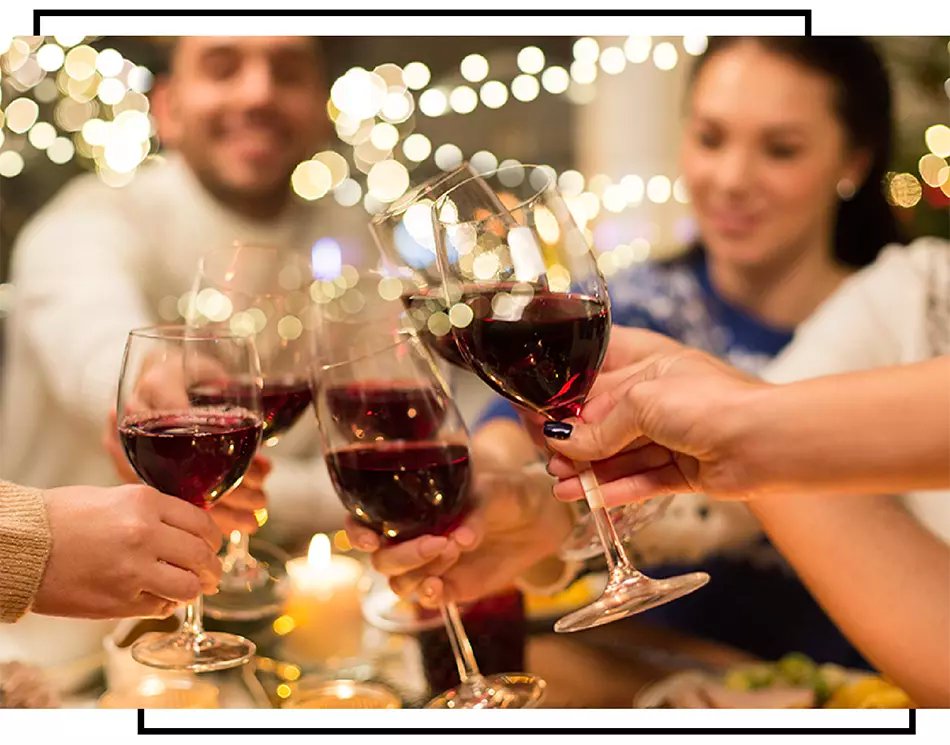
point(411, 197)
point(184, 332)
point(402, 336)
point(551, 181)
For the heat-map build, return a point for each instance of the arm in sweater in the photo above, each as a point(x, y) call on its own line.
point(25, 543)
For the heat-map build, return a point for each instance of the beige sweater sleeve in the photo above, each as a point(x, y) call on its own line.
point(24, 548)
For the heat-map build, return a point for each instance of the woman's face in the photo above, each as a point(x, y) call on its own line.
point(762, 156)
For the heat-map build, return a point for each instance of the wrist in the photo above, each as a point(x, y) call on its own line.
point(749, 431)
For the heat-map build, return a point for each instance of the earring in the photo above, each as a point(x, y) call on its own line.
point(846, 189)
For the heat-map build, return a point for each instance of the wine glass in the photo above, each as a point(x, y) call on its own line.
point(531, 316)
point(194, 450)
point(398, 456)
point(263, 291)
point(584, 543)
point(406, 242)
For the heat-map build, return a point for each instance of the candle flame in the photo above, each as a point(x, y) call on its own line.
point(318, 555)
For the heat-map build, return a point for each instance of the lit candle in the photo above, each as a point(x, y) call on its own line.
point(324, 604)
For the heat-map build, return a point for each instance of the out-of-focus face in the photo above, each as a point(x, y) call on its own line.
point(762, 156)
point(244, 110)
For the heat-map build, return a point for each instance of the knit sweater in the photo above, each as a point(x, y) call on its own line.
point(25, 542)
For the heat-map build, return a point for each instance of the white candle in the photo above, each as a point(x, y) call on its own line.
point(325, 604)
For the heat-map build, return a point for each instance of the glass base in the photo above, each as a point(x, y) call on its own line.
point(628, 597)
point(206, 652)
point(386, 611)
point(252, 592)
point(504, 691)
point(583, 543)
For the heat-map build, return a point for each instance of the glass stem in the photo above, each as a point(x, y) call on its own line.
point(191, 626)
point(617, 562)
point(461, 646)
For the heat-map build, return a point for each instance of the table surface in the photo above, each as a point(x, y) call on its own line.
point(606, 667)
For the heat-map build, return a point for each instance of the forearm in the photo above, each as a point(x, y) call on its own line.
point(25, 544)
point(870, 432)
point(882, 578)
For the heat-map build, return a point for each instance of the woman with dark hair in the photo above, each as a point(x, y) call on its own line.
point(786, 143)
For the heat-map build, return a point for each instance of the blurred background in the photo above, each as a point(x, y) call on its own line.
point(603, 112)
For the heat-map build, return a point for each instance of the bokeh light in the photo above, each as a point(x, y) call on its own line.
point(586, 49)
point(937, 138)
point(11, 163)
point(463, 100)
point(433, 102)
point(311, 180)
point(417, 147)
point(61, 150)
point(637, 48)
point(42, 135)
point(109, 63)
point(555, 80)
point(416, 75)
point(613, 61)
point(665, 56)
point(695, 45)
point(80, 62)
point(50, 57)
point(474, 68)
point(531, 60)
point(494, 94)
point(903, 190)
point(659, 189)
point(525, 88)
point(448, 157)
point(21, 114)
point(388, 180)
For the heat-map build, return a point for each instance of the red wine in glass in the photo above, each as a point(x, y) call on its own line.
point(403, 489)
point(195, 456)
point(371, 411)
point(543, 350)
point(282, 401)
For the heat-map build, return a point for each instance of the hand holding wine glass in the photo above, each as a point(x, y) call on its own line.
point(195, 452)
point(531, 317)
point(398, 456)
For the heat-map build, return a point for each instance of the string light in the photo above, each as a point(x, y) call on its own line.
point(531, 60)
point(586, 49)
point(494, 94)
point(474, 68)
point(463, 100)
point(937, 138)
point(525, 88)
point(416, 75)
point(417, 147)
point(555, 80)
point(613, 61)
point(433, 102)
point(695, 45)
point(665, 56)
point(637, 49)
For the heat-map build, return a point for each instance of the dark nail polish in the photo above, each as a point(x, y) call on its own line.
point(558, 430)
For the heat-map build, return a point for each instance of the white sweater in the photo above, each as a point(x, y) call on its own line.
point(95, 263)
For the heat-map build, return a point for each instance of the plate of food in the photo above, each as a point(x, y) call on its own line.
point(793, 682)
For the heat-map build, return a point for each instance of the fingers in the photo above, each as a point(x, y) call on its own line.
point(190, 553)
point(152, 606)
point(635, 488)
point(626, 463)
point(187, 517)
point(359, 535)
point(409, 555)
point(171, 583)
point(628, 346)
point(406, 584)
point(619, 427)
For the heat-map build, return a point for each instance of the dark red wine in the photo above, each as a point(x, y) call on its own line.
point(544, 354)
point(386, 410)
point(497, 630)
point(405, 489)
point(196, 456)
point(282, 401)
point(420, 307)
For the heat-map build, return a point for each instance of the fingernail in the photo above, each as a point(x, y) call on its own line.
point(432, 546)
point(558, 430)
point(464, 537)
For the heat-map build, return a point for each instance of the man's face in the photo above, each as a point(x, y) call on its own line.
point(245, 110)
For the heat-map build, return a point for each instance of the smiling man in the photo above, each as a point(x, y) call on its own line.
point(235, 115)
